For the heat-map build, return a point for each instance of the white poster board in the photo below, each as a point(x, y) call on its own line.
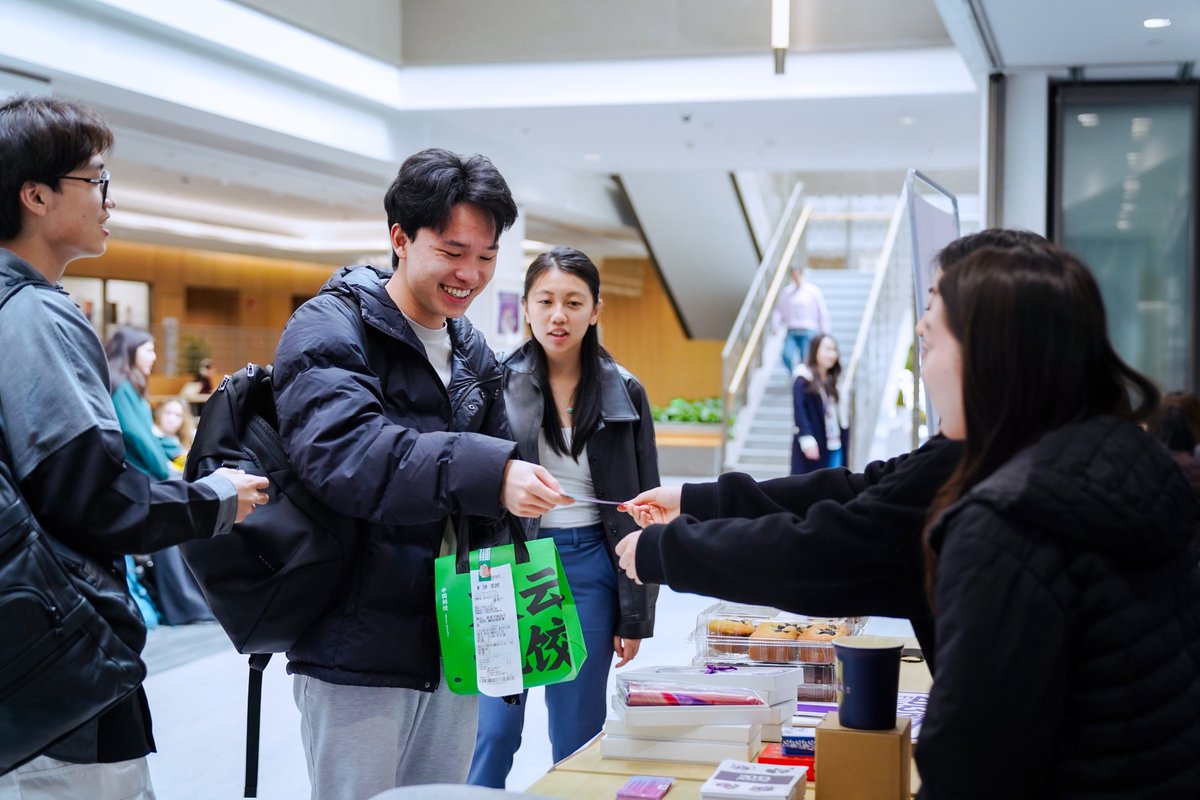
point(933, 217)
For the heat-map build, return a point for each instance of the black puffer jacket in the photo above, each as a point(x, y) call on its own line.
point(1068, 626)
point(373, 433)
point(622, 457)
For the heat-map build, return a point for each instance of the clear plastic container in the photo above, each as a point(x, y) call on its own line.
point(728, 633)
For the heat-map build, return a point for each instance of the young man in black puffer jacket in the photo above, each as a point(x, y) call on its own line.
point(391, 412)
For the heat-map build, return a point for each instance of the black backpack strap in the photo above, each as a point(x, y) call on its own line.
point(258, 663)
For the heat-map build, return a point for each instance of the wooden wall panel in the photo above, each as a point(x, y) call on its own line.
point(645, 336)
point(239, 303)
point(265, 286)
point(640, 331)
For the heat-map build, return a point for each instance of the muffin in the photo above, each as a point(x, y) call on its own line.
point(774, 642)
point(822, 634)
point(728, 636)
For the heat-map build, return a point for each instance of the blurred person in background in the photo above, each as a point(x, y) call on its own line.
point(801, 312)
point(819, 439)
point(131, 357)
point(174, 426)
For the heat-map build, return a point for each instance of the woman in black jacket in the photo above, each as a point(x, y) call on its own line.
point(1062, 560)
point(579, 414)
point(818, 438)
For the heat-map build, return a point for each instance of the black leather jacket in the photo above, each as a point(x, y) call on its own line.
point(622, 456)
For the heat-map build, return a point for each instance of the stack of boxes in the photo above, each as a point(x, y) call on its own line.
point(704, 733)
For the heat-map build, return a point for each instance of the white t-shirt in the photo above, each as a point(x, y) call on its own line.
point(437, 350)
point(437, 347)
point(575, 477)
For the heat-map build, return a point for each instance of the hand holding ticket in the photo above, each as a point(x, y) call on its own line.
point(579, 498)
point(655, 506)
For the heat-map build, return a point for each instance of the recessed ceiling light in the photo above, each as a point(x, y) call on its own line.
point(1124, 224)
point(1088, 120)
point(1131, 185)
point(1156, 22)
point(907, 120)
point(591, 156)
point(1139, 128)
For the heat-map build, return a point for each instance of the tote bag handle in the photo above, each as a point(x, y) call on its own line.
point(516, 531)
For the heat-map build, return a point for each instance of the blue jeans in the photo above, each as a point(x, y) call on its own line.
point(836, 458)
point(576, 708)
point(795, 347)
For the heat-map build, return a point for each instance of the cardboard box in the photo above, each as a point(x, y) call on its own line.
point(855, 764)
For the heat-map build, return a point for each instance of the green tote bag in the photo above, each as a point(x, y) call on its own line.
point(506, 617)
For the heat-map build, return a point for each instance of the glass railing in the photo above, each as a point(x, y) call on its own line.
point(883, 342)
point(742, 355)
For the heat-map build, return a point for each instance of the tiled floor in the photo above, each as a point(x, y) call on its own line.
point(199, 718)
point(199, 710)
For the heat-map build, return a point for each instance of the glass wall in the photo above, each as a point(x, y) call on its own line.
point(1124, 182)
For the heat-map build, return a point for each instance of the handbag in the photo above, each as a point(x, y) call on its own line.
point(62, 663)
point(507, 620)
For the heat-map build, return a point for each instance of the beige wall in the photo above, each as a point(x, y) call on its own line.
point(645, 336)
point(250, 299)
point(237, 302)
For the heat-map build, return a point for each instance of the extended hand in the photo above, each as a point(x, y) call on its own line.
point(530, 490)
point(625, 649)
point(249, 490)
point(655, 506)
point(627, 555)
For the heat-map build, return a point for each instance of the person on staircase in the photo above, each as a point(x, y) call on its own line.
point(819, 438)
point(801, 311)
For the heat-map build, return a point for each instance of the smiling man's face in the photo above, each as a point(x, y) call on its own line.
point(438, 275)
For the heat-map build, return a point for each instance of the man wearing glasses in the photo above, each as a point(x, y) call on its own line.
point(59, 437)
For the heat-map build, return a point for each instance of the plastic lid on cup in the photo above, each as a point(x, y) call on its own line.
point(869, 642)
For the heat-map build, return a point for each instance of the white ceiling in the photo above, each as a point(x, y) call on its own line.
point(842, 114)
point(1095, 34)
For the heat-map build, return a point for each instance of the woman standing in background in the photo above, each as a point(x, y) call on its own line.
point(818, 438)
point(131, 357)
point(580, 415)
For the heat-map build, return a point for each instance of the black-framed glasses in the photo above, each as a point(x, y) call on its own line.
point(102, 182)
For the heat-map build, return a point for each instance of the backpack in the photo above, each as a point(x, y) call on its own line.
point(277, 572)
point(271, 577)
point(62, 663)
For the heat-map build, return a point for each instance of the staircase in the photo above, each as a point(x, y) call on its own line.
point(767, 450)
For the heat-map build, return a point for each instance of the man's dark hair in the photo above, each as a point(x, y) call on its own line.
point(433, 181)
point(42, 138)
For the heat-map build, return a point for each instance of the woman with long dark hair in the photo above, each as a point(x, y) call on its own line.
point(131, 358)
point(818, 438)
point(1061, 554)
point(575, 411)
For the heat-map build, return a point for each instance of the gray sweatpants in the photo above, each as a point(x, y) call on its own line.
point(46, 778)
point(360, 740)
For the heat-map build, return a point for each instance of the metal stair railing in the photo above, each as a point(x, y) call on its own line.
point(870, 374)
point(743, 352)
